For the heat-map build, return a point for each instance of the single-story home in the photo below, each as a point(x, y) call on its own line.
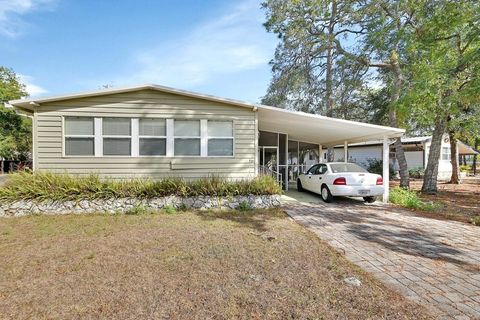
point(156, 131)
point(416, 152)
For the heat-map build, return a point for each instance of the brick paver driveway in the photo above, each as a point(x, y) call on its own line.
point(433, 262)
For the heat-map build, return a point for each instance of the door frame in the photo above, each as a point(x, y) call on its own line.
point(262, 163)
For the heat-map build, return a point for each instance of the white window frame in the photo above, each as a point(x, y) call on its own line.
point(65, 136)
point(200, 138)
point(133, 145)
point(134, 137)
point(232, 137)
point(448, 154)
point(153, 137)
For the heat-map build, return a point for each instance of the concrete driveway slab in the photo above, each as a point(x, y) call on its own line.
point(433, 262)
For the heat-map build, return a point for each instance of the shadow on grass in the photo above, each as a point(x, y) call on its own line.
point(254, 219)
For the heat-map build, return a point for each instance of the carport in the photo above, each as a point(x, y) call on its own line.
point(289, 141)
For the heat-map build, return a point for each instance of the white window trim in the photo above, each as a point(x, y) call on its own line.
point(65, 136)
point(135, 138)
point(232, 137)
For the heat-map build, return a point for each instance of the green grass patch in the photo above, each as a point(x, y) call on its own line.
point(410, 199)
point(42, 186)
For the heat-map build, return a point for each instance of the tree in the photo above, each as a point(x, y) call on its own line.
point(443, 70)
point(306, 67)
point(15, 130)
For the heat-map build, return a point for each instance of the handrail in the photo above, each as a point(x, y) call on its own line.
point(270, 172)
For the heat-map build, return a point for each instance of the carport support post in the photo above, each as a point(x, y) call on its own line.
point(386, 173)
point(320, 153)
point(345, 151)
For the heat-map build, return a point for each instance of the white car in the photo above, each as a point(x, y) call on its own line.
point(341, 179)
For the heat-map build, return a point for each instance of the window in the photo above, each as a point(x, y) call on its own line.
point(313, 170)
point(220, 138)
point(117, 138)
point(446, 154)
point(79, 136)
point(187, 138)
point(153, 137)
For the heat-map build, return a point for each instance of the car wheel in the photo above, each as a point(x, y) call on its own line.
point(370, 199)
point(299, 185)
point(326, 195)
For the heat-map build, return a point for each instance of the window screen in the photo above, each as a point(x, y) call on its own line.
point(79, 136)
point(153, 140)
point(117, 139)
point(187, 137)
point(220, 138)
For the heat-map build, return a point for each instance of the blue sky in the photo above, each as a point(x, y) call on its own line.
point(62, 46)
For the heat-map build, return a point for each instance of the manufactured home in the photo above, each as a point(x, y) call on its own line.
point(416, 152)
point(156, 131)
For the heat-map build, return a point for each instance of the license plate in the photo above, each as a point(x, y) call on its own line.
point(362, 192)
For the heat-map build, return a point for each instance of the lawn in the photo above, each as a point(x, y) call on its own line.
point(460, 202)
point(256, 264)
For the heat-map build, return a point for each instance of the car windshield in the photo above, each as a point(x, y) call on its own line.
point(346, 167)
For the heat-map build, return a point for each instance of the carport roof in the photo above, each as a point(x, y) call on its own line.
point(298, 125)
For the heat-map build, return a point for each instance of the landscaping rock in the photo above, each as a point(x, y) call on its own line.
point(121, 205)
point(353, 281)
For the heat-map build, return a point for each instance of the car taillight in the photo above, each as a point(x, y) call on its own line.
point(340, 181)
point(379, 181)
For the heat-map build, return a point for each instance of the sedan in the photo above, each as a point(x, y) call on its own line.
point(341, 179)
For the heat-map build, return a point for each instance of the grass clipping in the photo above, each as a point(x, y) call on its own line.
point(41, 186)
point(410, 199)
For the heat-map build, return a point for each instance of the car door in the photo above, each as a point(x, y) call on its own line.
point(317, 178)
point(307, 182)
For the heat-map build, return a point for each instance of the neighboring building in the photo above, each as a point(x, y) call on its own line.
point(156, 131)
point(416, 151)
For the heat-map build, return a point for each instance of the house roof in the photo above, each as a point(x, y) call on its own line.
point(298, 125)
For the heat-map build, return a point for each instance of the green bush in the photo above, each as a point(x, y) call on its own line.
point(137, 210)
point(416, 173)
point(244, 206)
point(168, 209)
point(59, 187)
point(376, 166)
point(476, 220)
point(409, 199)
point(464, 168)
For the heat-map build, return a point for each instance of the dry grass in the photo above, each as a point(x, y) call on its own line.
point(252, 265)
point(459, 202)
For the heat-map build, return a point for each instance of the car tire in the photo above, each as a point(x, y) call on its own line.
point(299, 185)
point(370, 199)
point(326, 194)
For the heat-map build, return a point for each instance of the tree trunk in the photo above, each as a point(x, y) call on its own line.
point(475, 157)
point(431, 172)
point(329, 66)
point(392, 117)
point(453, 158)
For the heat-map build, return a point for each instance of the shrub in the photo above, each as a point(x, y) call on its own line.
point(416, 173)
point(60, 187)
point(464, 168)
point(137, 210)
point(409, 199)
point(168, 209)
point(376, 166)
point(475, 220)
point(244, 206)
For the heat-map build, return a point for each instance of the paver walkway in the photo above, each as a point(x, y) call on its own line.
point(433, 262)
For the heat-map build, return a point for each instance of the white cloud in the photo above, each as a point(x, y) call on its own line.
point(11, 11)
point(32, 89)
point(234, 42)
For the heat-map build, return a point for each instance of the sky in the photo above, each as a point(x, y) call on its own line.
point(210, 46)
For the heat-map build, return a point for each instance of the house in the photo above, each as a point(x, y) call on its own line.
point(156, 131)
point(416, 152)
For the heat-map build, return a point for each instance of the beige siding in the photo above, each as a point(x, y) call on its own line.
point(145, 103)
